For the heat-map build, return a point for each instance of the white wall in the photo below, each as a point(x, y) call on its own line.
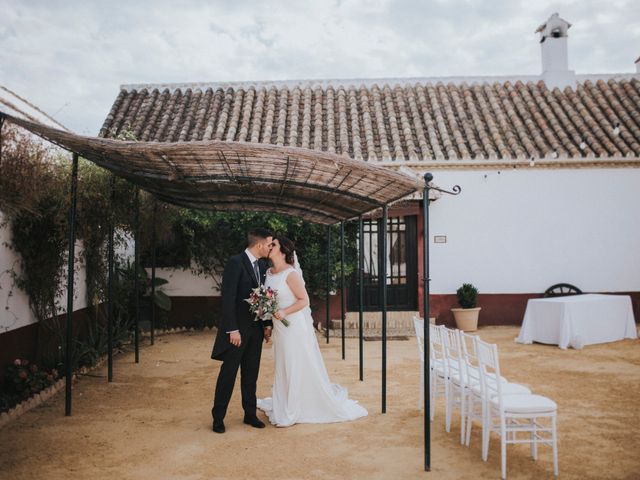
point(185, 283)
point(14, 303)
point(520, 231)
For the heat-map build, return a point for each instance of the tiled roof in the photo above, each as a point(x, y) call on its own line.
point(410, 120)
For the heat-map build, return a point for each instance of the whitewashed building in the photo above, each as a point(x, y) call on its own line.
point(549, 166)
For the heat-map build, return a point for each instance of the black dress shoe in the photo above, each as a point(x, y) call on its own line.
point(254, 421)
point(218, 427)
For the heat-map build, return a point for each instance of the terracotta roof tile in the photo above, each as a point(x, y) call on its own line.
point(395, 121)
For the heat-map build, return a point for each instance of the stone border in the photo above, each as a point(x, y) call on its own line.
point(31, 402)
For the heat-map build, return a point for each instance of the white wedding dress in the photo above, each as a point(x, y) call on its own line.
point(302, 391)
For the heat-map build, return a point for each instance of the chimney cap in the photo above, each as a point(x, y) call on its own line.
point(553, 27)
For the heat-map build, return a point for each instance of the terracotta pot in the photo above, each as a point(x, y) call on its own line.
point(466, 318)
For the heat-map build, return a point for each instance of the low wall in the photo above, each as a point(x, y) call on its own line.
point(501, 309)
point(23, 342)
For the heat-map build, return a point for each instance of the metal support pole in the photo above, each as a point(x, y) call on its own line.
point(153, 272)
point(342, 315)
point(136, 260)
point(425, 292)
point(361, 295)
point(328, 305)
point(70, 273)
point(110, 284)
point(383, 279)
point(426, 279)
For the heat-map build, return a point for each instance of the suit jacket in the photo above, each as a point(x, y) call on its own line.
point(238, 279)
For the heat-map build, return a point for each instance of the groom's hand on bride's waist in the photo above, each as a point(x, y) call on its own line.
point(234, 338)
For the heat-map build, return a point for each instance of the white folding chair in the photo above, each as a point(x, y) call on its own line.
point(514, 413)
point(474, 408)
point(418, 325)
point(456, 379)
point(438, 371)
point(475, 403)
point(436, 363)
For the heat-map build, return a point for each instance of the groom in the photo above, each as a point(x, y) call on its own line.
point(239, 339)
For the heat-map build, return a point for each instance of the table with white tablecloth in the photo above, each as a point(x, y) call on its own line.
point(578, 320)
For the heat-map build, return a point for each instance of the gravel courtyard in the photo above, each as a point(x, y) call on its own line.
point(153, 422)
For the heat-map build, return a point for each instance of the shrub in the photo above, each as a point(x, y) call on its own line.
point(467, 295)
point(23, 380)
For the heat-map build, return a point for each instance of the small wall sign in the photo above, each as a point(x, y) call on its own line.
point(439, 239)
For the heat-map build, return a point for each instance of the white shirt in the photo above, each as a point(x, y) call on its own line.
point(253, 260)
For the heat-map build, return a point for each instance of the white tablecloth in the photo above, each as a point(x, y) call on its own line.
point(578, 320)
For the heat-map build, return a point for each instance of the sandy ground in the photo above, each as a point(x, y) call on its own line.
point(153, 421)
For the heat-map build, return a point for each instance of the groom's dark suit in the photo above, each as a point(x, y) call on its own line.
point(238, 280)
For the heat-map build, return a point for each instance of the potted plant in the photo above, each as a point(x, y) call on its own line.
point(467, 316)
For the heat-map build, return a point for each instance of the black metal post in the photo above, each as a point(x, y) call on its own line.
point(383, 279)
point(361, 295)
point(110, 284)
point(425, 292)
point(328, 305)
point(153, 272)
point(342, 314)
point(70, 274)
point(136, 260)
point(426, 279)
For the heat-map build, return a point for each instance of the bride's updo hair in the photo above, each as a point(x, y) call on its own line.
point(287, 247)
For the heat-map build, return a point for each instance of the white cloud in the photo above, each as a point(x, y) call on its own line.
point(69, 57)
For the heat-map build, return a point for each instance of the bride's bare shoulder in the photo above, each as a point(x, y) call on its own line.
point(292, 274)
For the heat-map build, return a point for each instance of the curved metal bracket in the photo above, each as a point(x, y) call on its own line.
point(428, 177)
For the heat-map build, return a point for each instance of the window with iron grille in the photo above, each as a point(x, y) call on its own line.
point(401, 258)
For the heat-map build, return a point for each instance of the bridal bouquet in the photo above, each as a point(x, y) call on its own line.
point(263, 303)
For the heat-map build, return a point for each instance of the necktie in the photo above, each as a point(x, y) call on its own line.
point(256, 270)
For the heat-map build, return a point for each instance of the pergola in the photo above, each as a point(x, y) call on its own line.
point(321, 187)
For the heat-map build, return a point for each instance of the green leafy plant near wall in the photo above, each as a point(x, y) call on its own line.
point(22, 380)
point(210, 238)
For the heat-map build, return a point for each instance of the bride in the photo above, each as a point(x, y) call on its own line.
point(302, 391)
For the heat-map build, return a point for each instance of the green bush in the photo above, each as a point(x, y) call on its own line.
point(210, 238)
point(467, 296)
point(23, 380)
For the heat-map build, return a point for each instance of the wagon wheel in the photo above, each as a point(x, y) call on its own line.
point(562, 290)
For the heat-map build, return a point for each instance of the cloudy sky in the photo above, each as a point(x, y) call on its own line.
point(70, 57)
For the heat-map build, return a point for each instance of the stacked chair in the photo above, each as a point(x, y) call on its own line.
point(465, 370)
point(437, 377)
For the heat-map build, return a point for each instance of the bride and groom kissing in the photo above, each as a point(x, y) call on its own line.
point(301, 390)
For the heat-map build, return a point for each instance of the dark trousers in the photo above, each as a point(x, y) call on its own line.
point(247, 358)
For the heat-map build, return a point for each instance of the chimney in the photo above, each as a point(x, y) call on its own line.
point(555, 60)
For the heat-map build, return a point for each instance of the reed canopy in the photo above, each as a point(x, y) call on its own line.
point(317, 186)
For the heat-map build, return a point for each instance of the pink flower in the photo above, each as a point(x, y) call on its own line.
point(17, 362)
